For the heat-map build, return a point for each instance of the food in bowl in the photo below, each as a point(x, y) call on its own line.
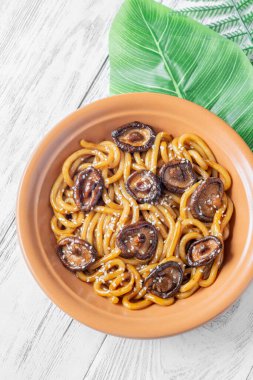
point(143, 217)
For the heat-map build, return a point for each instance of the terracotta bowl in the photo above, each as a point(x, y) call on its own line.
point(95, 122)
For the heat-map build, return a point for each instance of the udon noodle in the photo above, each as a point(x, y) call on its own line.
point(123, 279)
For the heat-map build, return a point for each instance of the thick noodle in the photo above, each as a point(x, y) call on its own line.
point(119, 279)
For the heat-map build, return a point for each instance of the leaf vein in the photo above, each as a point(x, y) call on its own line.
point(179, 94)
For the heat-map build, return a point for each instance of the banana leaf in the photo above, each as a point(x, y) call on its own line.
point(155, 49)
point(231, 18)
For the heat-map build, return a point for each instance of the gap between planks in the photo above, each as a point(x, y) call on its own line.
point(11, 228)
point(102, 67)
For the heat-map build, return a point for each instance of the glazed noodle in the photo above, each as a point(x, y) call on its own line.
point(184, 253)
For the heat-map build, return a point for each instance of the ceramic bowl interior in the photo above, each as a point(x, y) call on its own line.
point(95, 123)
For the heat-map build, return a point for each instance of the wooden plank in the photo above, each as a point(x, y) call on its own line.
point(60, 48)
point(50, 54)
point(41, 338)
point(47, 332)
point(221, 349)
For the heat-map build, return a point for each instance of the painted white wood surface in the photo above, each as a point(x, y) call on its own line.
point(54, 59)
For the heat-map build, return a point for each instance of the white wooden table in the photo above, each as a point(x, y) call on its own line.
point(54, 59)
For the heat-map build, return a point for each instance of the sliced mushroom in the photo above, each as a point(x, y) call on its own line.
point(206, 199)
point(144, 186)
point(134, 137)
point(178, 175)
point(138, 240)
point(88, 188)
point(76, 254)
point(165, 280)
point(203, 251)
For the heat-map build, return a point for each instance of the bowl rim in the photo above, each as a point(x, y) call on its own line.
point(51, 289)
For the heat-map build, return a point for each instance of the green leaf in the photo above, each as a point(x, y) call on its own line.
point(231, 18)
point(154, 49)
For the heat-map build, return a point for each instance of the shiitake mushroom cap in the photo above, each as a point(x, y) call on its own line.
point(134, 137)
point(88, 188)
point(206, 199)
point(144, 186)
point(138, 240)
point(76, 254)
point(203, 251)
point(178, 175)
point(165, 280)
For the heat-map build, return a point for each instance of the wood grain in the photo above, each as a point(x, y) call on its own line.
point(52, 55)
point(45, 330)
point(54, 59)
point(221, 349)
